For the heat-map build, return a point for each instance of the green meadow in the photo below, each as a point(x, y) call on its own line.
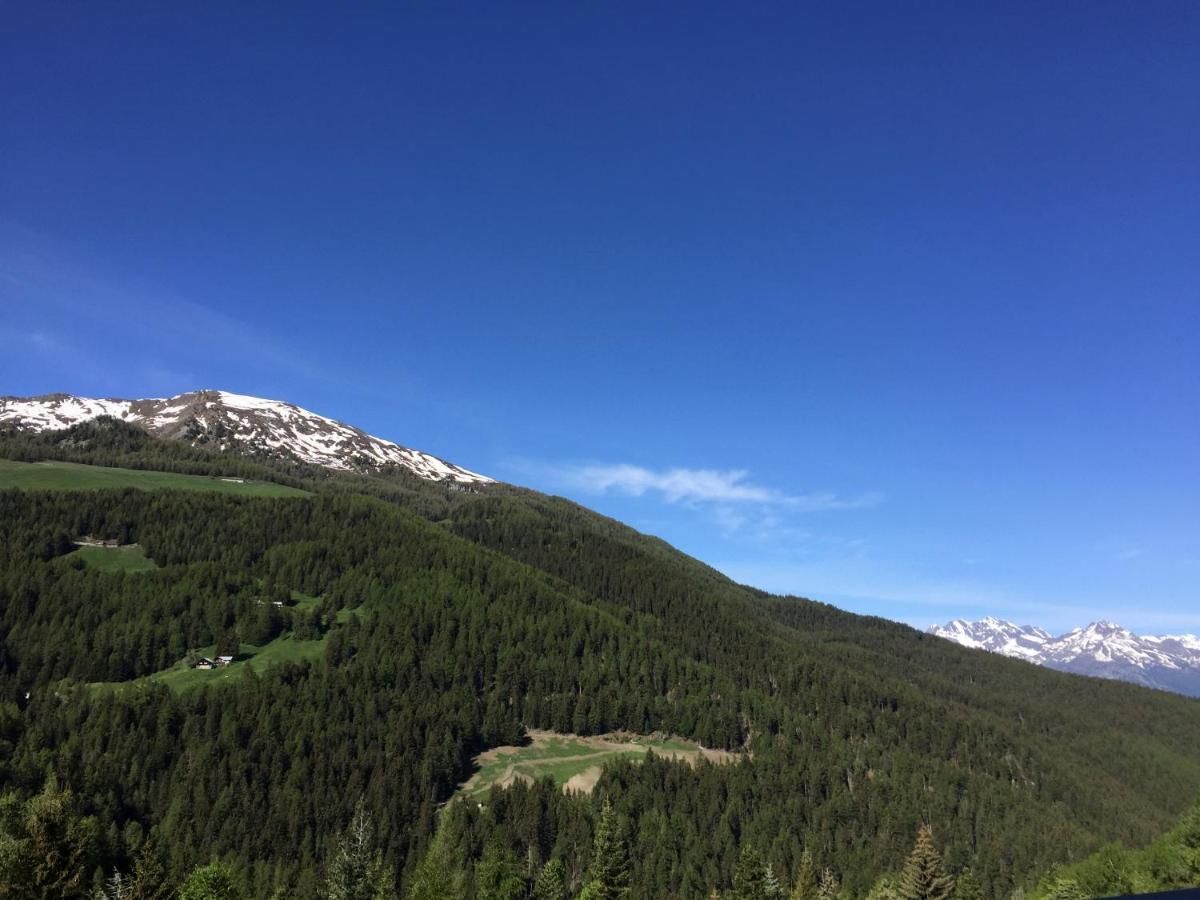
point(284, 649)
point(129, 558)
point(182, 677)
point(65, 476)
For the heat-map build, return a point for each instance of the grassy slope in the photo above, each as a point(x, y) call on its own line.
point(50, 476)
point(113, 559)
point(283, 649)
point(182, 678)
point(561, 757)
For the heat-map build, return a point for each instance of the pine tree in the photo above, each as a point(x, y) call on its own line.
point(749, 876)
point(772, 889)
point(356, 870)
point(967, 886)
point(805, 886)
point(214, 881)
point(437, 877)
point(828, 887)
point(608, 876)
point(149, 880)
point(924, 877)
point(497, 876)
point(551, 882)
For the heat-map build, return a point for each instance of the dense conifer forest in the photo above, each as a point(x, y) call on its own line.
point(873, 760)
point(1170, 862)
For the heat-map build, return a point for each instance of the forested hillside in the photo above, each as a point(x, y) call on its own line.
point(1170, 862)
point(450, 620)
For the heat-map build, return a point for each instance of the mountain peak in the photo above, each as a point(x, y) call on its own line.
point(1101, 648)
point(225, 420)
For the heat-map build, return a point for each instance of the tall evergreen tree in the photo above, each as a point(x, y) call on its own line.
point(967, 886)
point(356, 870)
point(924, 877)
point(608, 875)
point(438, 875)
point(149, 881)
point(750, 875)
point(772, 889)
point(805, 885)
point(497, 876)
point(551, 882)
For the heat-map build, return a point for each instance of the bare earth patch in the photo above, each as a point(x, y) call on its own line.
point(585, 781)
point(574, 761)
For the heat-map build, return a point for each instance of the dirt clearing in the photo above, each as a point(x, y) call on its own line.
point(574, 761)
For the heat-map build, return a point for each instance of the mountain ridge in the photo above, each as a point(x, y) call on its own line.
point(268, 428)
point(1102, 649)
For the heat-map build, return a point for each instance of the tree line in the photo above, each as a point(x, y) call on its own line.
point(50, 850)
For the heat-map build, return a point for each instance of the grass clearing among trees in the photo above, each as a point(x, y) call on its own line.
point(573, 761)
point(65, 476)
point(182, 677)
point(127, 558)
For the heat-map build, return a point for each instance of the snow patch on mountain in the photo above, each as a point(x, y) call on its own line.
point(236, 421)
point(1170, 662)
point(1022, 641)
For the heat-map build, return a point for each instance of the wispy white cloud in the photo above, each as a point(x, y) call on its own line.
point(683, 485)
point(80, 321)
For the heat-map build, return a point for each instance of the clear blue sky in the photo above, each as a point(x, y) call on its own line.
point(893, 305)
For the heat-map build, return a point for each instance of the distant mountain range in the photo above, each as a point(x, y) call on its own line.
point(266, 428)
point(1167, 662)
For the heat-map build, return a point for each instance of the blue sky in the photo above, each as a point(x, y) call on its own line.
point(892, 305)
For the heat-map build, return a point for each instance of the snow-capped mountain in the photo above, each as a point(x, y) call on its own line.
point(1023, 641)
point(1169, 662)
point(235, 421)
